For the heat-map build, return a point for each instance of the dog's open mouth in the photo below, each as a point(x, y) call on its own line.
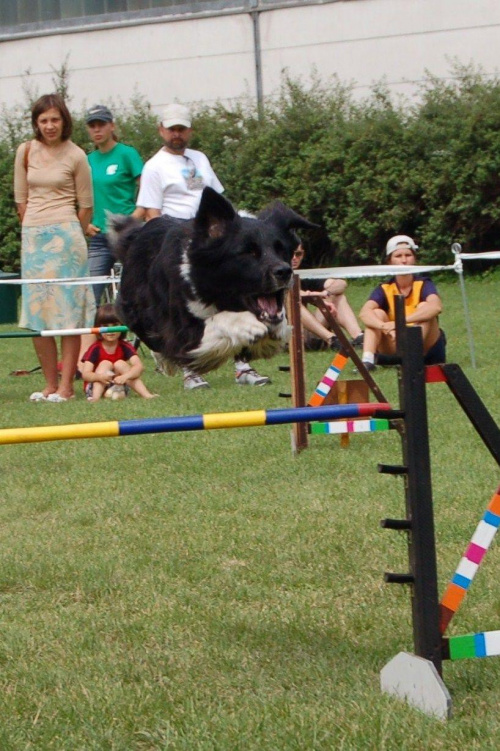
point(268, 308)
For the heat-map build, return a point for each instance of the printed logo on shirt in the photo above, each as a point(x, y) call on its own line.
point(192, 176)
point(111, 169)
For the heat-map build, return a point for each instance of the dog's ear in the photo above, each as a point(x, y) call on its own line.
point(122, 229)
point(214, 214)
point(284, 218)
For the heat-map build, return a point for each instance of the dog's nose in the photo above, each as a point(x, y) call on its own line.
point(283, 272)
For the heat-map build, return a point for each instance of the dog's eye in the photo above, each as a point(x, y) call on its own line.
point(280, 249)
point(253, 250)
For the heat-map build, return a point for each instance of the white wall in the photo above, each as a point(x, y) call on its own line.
point(397, 40)
point(199, 60)
point(206, 59)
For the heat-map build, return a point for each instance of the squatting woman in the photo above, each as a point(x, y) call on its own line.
point(422, 308)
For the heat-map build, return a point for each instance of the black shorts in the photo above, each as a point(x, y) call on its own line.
point(437, 353)
point(435, 356)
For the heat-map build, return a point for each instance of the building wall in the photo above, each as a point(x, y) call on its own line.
point(397, 40)
point(212, 58)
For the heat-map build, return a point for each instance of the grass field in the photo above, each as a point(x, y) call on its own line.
point(207, 591)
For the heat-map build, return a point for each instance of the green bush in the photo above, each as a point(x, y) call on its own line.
point(9, 223)
point(365, 170)
point(456, 162)
point(362, 170)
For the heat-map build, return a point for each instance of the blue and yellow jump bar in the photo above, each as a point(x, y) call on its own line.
point(213, 421)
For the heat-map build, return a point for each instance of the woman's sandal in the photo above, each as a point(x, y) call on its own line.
point(58, 399)
point(38, 396)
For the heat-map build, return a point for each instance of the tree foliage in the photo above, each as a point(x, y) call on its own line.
point(362, 170)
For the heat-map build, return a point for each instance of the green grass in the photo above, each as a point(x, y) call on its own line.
point(207, 591)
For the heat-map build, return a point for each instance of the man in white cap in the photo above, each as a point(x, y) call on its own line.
point(422, 308)
point(171, 184)
point(173, 179)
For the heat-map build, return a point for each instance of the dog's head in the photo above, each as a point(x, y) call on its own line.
point(241, 263)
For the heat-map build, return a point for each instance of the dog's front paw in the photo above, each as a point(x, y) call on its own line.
point(236, 329)
point(247, 329)
point(226, 334)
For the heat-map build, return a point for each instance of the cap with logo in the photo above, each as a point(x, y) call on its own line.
point(394, 243)
point(99, 112)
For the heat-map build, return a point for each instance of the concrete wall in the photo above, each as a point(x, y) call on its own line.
point(205, 59)
point(396, 40)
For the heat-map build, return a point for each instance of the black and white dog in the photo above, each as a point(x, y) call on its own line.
point(202, 291)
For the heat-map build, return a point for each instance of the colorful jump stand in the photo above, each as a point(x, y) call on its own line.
point(418, 678)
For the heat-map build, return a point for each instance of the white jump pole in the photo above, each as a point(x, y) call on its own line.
point(456, 249)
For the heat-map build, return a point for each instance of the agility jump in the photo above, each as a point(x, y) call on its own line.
point(403, 675)
point(214, 421)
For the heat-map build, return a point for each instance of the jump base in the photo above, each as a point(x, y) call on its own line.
point(416, 681)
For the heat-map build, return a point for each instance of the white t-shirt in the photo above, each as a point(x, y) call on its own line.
point(173, 183)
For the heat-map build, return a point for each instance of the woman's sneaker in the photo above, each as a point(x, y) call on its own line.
point(193, 381)
point(250, 377)
point(357, 342)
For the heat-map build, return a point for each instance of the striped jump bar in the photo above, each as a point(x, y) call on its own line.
point(69, 281)
point(331, 376)
point(469, 564)
point(63, 332)
point(484, 644)
point(255, 418)
point(350, 426)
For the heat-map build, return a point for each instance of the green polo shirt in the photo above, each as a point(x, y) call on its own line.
point(114, 181)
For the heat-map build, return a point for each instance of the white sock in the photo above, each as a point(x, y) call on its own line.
point(368, 357)
point(241, 365)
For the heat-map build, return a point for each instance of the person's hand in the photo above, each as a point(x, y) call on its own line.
point(105, 378)
point(92, 230)
point(388, 328)
point(120, 380)
point(331, 307)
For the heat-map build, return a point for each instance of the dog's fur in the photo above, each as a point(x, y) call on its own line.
point(199, 292)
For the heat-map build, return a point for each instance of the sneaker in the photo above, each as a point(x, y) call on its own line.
point(193, 381)
point(370, 366)
point(313, 343)
point(250, 377)
point(335, 344)
point(119, 392)
point(357, 342)
point(115, 392)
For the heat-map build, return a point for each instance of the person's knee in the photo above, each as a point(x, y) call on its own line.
point(104, 366)
point(335, 286)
